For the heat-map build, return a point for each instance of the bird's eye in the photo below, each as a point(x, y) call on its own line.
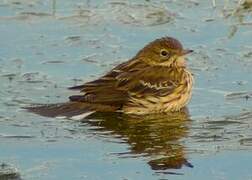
point(164, 53)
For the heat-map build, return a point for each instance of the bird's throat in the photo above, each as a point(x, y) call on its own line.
point(180, 62)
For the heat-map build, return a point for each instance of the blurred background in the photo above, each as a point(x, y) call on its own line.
point(49, 45)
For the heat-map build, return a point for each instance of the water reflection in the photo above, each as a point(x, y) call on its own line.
point(156, 137)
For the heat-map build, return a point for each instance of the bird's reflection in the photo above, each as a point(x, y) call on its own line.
point(156, 137)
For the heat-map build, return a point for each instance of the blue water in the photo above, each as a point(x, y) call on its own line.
point(48, 46)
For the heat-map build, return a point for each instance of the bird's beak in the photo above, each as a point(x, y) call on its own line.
point(186, 51)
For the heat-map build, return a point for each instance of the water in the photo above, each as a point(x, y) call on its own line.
point(47, 46)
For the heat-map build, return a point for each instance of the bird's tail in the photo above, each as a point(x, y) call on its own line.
point(65, 110)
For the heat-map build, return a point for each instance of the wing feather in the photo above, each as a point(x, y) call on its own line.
point(131, 78)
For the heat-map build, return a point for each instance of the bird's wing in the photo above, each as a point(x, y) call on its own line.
point(104, 90)
point(133, 77)
point(150, 81)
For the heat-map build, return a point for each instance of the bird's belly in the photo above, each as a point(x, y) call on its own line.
point(157, 105)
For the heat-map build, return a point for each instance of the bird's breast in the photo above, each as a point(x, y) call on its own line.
point(181, 95)
point(170, 102)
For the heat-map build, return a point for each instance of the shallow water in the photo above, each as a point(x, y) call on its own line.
point(47, 46)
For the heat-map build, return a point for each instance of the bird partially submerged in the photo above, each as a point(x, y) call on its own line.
point(154, 81)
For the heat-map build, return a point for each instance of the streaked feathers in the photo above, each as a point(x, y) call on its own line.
point(145, 84)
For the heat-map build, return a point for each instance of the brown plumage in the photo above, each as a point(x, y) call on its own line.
point(154, 81)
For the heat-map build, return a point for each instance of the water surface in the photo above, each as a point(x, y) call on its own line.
point(47, 46)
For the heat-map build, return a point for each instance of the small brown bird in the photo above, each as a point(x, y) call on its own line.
point(154, 81)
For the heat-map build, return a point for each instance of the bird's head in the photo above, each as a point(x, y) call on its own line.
point(166, 51)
